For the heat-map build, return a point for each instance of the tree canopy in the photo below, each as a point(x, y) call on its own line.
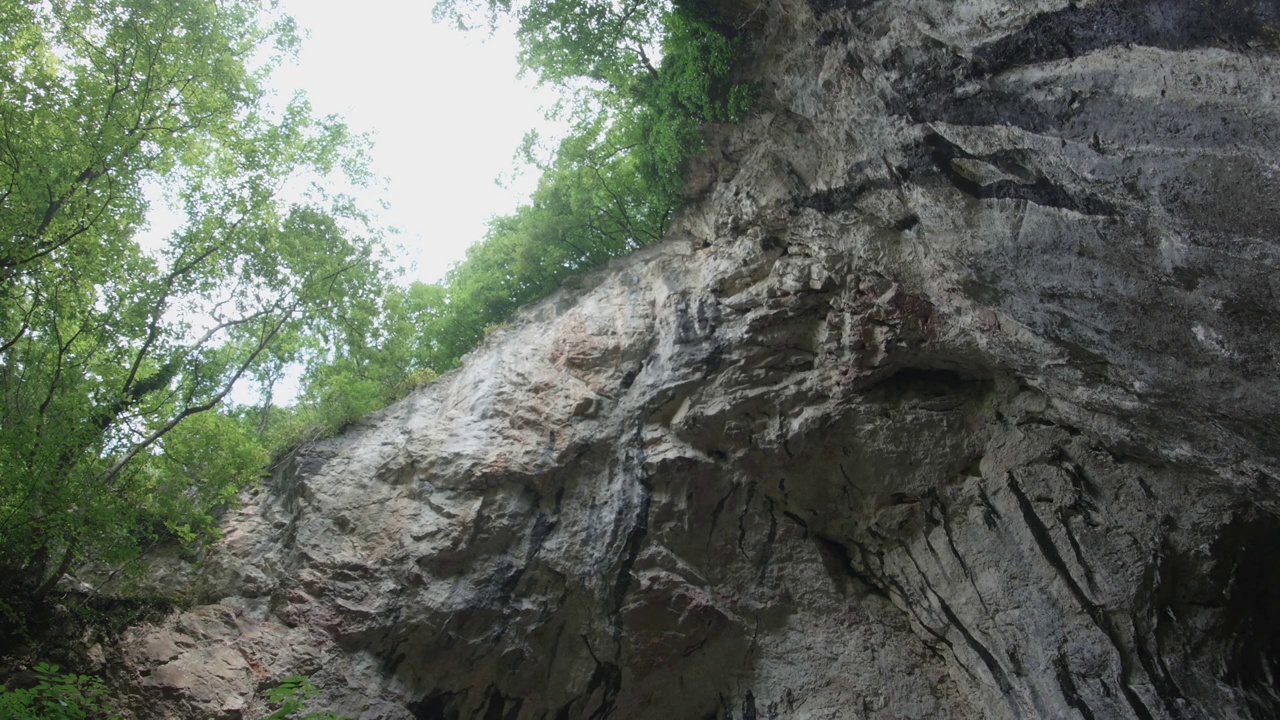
point(113, 353)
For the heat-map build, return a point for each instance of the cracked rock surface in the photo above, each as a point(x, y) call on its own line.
point(955, 395)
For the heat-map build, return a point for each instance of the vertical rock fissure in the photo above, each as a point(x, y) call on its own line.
point(945, 523)
point(1040, 533)
point(988, 658)
point(639, 524)
point(1069, 691)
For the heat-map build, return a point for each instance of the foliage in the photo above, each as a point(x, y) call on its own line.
point(56, 697)
point(378, 354)
point(694, 86)
point(116, 355)
point(641, 76)
point(292, 695)
point(69, 696)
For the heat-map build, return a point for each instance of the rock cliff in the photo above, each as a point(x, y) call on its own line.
point(954, 393)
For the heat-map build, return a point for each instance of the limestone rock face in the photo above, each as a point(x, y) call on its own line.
point(954, 394)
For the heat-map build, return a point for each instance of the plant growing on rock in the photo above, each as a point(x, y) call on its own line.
point(292, 695)
point(57, 696)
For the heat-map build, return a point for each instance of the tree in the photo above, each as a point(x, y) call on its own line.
point(115, 357)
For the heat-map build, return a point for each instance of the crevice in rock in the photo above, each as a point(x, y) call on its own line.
point(945, 523)
point(631, 551)
point(1068, 686)
point(1042, 191)
point(988, 658)
point(543, 526)
point(1156, 670)
point(717, 510)
point(1146, 489)
point(1168, 24)
point(742, 518)
point(843, 198)
point(766, 549)
point(822, 7)
point(907, 222)
point(838, 561)
point(990, 515)
point(1247, 574)
point(1078, 551)
point(606, 678)
point(496, 707)
point(439, 705)
point(936, 386)
point(830, 37)
point(1040, 533)
point(749, 706)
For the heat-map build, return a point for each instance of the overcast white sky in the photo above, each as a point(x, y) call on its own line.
point(444, 107)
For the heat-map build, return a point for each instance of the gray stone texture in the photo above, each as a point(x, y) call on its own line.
point(954, 393)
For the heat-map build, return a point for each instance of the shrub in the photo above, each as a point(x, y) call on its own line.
point(57, 696)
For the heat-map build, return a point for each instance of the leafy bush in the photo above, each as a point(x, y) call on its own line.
point(57, 697)
point(69, 696)
point(292, 695)
point(693, 86)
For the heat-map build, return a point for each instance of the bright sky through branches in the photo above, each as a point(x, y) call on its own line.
point(445, 108)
